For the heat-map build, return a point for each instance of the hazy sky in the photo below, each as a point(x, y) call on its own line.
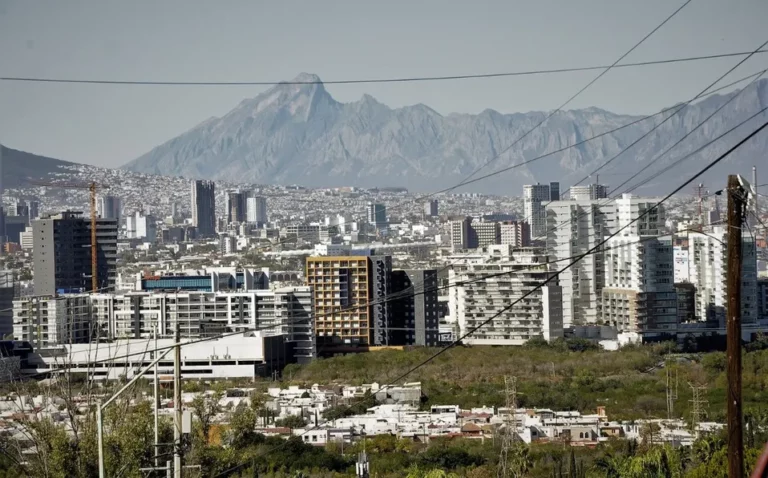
point(256, 40)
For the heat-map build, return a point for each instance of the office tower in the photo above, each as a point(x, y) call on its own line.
point(575, 227)
point(515, 233)
point(591, 191)
point(487, 233)
point(430, 208)
point(377, 215)
point(62, 253)
point(109, 207)
point(639, 293)
point(473, 302)
point(708, 269)
point(19, 208)
point(257, 210)
point(235, 206)
point(175, 210)
point(47, 321)
point(535, 199)
point(554, 191)
point(348, 309)
point(204, 207)
point(463, 234)
point(415, 317)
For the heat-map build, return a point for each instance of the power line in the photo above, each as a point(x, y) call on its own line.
point(32, 79)
point(594, 249)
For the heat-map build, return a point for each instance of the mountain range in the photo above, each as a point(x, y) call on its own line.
point(298, 134)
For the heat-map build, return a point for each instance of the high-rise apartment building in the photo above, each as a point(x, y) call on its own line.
point(257, 209)
point(575, 227)
point(708, 268)
point(348, 308)
point(430, 208)
point(415, 317)
point(377, 215)
point(203, 207)
point(473, 302)
point(587, 192)
point(236, 206)
point(47, 321)
point(62, 253)
point(515, 233)
point(639, 293)
point(109, 207)
point(535, 199)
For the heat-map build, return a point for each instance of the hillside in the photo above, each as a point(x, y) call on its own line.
point(298, 133)
point(18, 166)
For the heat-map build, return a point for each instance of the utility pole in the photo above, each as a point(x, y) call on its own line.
point(671, 394)
point(177, 470)
point(157, 408)
point(736, 210)
point(510, 427)
point(697, 404)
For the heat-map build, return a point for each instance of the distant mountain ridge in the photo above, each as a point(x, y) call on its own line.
point(300, 134)
point(19, 166)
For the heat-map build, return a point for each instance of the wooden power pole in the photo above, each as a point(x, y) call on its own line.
point(736, 209)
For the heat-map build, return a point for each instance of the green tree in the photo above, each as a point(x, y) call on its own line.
point(205, 407)
point(291, 421)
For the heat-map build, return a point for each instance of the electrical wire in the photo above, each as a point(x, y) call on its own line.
point(594, 249)
point(409, 79)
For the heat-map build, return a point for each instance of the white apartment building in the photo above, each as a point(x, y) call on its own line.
point(517, 234)
point(473, 301)
point(26, 239)
point(639, 293)
point(682, 269)
point(47, 321)
point(206, 314)
point(574, 228)
point(707, 271)
point(535, 199)
point(587, 192)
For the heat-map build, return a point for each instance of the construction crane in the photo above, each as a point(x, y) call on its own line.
point(91, 187)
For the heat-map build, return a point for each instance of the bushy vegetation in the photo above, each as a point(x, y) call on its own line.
point(566, 375)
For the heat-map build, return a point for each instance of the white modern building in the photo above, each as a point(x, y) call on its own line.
point(140, 226)
point(205, 314)
point(256, 208)
point(473, 301)
point(639, 292)
point(45, 321)
point(708, 273)
point(591, 191)
point(246, 355)
point(535, 199)
point(576, 227)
